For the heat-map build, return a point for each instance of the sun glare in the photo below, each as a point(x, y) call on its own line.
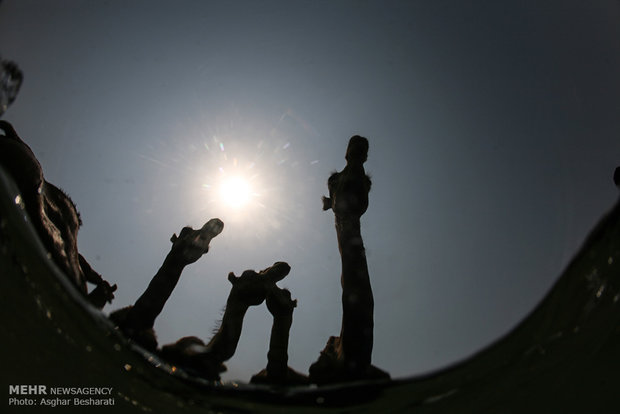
point(235, 192)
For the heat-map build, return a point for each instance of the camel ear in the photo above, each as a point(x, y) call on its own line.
point(8, 130)
point(327, 203)
point(174, 238)
point(232, 278)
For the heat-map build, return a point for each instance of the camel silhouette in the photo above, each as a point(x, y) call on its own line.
point(277, 372)
point(192, 353)
point(348, 357)
point(137, 321)
point(53, 215)
point(249, 289)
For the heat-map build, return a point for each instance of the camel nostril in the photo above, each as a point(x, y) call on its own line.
point(213, 226)
point(218, 225)
point(282, 267)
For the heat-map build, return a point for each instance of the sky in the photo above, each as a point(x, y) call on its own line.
point(493, 130)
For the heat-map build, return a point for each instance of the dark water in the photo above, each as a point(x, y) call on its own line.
point(564, 358)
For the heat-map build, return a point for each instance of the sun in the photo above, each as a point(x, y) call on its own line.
point(235, 192)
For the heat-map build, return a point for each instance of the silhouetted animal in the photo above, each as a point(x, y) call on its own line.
point(53, 215)
point(348, 357)
point(249, 289)
point(277, 372)
point(137, 321)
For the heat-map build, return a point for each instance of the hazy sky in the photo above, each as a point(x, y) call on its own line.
point(493, 127)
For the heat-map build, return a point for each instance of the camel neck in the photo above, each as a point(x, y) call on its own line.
point(348, 224)
point(224, 343)
point(350, 242)
point(277, 357)
point(150, 304)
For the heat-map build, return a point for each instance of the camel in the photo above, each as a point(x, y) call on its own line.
point(249, 289)
point(277, 372)
point(348, 357)
point(137, 321)
point(53, 215)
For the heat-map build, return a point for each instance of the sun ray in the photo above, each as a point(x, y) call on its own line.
point(235, 192)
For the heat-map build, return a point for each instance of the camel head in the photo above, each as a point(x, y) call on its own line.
point(251, 287)
point(349, 188)
point(191, 244)
point(280, 303)
point(357, 150)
